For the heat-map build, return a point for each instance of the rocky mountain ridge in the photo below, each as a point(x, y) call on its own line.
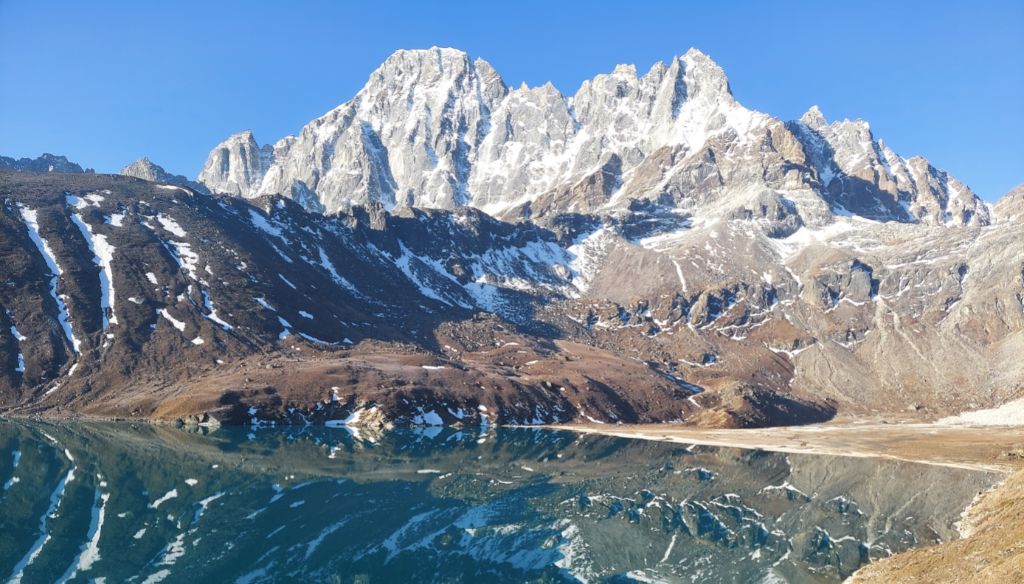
point(146, 169)
point(44, 163)
point(436, 129)
point(129, 298)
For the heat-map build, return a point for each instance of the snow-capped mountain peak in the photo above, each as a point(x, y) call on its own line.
point(435, 128)
point(813, 118)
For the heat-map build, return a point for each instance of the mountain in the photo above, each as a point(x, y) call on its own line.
point(146, 169)
point(445, 249)
point(433, 128)
point(125, 298)
point(1010, 208)
point(45, 163)
point(130, 298)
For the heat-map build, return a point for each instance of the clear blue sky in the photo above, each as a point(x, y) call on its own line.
point(105, 83)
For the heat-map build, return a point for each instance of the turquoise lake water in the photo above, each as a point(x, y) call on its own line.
point(117, 503)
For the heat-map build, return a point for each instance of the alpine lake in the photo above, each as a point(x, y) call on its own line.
point(121, 502)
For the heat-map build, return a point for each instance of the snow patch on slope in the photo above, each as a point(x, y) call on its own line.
point(18, 338)
point(588, 251)
point(412, 271)
point(1009, 414)
point(103, 256)
point(31, 220)
point(170, 225)
point(174, 322)
point(186, 259)
point(325, 262)
point(212, 312)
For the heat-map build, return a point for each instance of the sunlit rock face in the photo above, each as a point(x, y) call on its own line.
point(235, 166)
point(434, 128)
point(146, 169)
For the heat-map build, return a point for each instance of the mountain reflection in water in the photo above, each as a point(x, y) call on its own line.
point(128, 503)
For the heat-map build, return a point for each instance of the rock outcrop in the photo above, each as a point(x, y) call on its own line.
point(146, 169)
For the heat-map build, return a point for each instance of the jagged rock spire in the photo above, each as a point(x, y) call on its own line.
point(435, 128)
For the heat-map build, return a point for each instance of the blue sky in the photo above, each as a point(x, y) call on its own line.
point(105, 83)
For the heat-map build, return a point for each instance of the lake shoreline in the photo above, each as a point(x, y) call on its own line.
point(981, 448)
point(978, 448)
point(992, 546)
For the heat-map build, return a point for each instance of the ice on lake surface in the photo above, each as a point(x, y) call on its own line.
point(140, 503)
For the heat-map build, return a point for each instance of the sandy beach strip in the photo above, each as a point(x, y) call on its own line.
point(967, 447)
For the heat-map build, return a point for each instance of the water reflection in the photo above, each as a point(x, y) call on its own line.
point(149, 504)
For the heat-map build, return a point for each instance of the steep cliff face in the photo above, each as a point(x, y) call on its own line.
point(236, 166)
point(433, 128)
